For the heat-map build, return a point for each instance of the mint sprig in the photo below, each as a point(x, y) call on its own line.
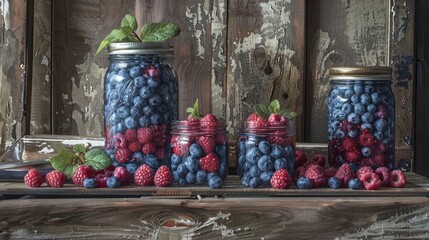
point(151, 32)
point(194, 111)
point(68, 161)
point(264, 111)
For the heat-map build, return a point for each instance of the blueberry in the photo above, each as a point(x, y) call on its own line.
point(340, 134)
point(276, 151)
point(123, 75)
point(337, 103)
point(255, 182)
point(221, 150)
point(250, 142)
point(248, 165)
point(138, 157)
point(348, 93)
point(196, 150)
point(367, 126)
point(131, 167)
point(127, 99)
point(148, 110)
point(123, 112)
point(353, 118)
point(131, 122)
point(166, 98)
point(162, 89)
point(354, 98)
point(339, 115)
point(359, 108)
point(201, 177)
point(192, 163)
point(304, 183)
point(265, 147)
point(114, 119)
point(155, 119)
point(254, 171)
point(174, 167)
point(253, 155)
point(191, 178)
point(155, 100)
point(378, 135)
point(355, 166)
point(375, 98)
point(113, 182)
point(144, 121)
point(132, 91)
point(347, 108)
point(153, 83)
point(182, 170)
point(139, 102)
point(136, 71)
point(136, 112)
point(120, 127)
point(380, 125)
point(90, 182)
point(334, 182)
point(366, 151)
point(146, 92)
point(245, 180)
point(358, 89)
point(355, 184)
point(215, 181)
point(335, 92)
point(151, 161)
point(365, 99)
point(367, 117)
point(266, 177)
point(241, 160)
point(140, 82)
point(182, 182)
point(175, 159)
point(162, 109)
point(289, 152)
point(280, 163)
point(265, 163)
point(353, 133)
point(369, 89)
point(116, 164)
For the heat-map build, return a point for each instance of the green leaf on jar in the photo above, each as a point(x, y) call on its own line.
point(129, 21)
point(158, 32)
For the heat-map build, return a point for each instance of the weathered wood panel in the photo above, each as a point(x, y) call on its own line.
point(41, 86)
point(12, 70)
point(265, 57)
point(211, 218)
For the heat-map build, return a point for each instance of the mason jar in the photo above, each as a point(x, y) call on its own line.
point(262, 151)
point(199, 154)
point(140, 101)
point(361, 117)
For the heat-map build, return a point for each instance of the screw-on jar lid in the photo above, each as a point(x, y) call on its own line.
point(163, 49)
point(361, 72)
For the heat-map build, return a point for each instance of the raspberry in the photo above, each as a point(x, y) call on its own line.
point(82, 172)
point(274, 119)
point(330, 172)
point(370, 181)
point(163, 177)
point(299, 172)
point(319, 159)
point(345, 173)
point(55, 178)
point(192, 121)
point(160, 153)
point(300, 158)
point(397, 178)
point(367, 162)
point(134, 146)
point(181, 149)
point(123, 175)
point(347, 126)
point(210, 163)
point(353, 155)
point(208, 143)
point(144, 135)
point(379, 147)
point(120, 141)
point(317, 176)
point(33, 178)
point(384, 175)
point(379, 159)
point(101, 180)
point(363, 170)
point(149, 148)
point(123, 155)
point(255, 121)
point(278, 137)
point(281, 179)
point(366, 139)
point(348, 144)
point(152, 72)
point(209, 123)
point(131, 135)
point(221, 139)
point(143, 176)
point(308, 164)
point(381, 111)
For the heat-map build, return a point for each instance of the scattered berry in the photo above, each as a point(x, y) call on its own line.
point(345, 173)
point(280, 179)
point(210, 163)
point(384, 175)
point(355, 184)
point(215, 181)
point(90, 183)
point(363, 170)
point(163, 177)
point(334, 183)
point(113, 182)
point(55, 178)
point(397, 179)
point(143, 176)
point(319, 159)
point(300, 158)
point(330, 172)
point(123, 175)
point(33, 178)
point(82, 172)
point(370, 181)
point(304, 183)
point(316, 174)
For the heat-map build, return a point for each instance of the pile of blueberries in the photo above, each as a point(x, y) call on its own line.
point(140, 92)
point(258, 160)
point(361, 124)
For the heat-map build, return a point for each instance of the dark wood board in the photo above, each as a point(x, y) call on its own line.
point(216, 218)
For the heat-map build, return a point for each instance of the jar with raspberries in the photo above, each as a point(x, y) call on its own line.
point(361, 121)
point(199, 150)
point(266, 144)
point(140, 102)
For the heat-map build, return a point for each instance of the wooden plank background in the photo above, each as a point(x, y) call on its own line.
point(230, 55)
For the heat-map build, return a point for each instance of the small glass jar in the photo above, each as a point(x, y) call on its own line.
point(361, 121)
point(264, 150)
point(199, 154)
point(140, 101)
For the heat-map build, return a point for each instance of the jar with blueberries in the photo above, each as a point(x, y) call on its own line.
point(140, 101)
point(361, 121)
point(199, 153)
point(262, 150)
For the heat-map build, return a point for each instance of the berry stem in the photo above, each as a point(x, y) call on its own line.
point(81, 158)
point(136, 36)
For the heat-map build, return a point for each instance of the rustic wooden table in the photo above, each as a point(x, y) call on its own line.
point(203, 213)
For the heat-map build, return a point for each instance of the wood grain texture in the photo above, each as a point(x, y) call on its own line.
point(12, 71)
point(211, 218)
point(340, 33)
point(265, 57)
point(42, 66)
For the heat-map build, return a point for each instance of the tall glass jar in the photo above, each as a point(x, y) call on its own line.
point(361, 121)
point(262, 151)
point(140, 101)
point(199, 154)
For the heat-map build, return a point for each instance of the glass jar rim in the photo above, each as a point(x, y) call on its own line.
point(133, 48)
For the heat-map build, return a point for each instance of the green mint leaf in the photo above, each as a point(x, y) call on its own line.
point(288, 113)
point(194, 111)
point(65, 162)
point(97, 159)
point(129, 21)
point(81, 148)
point(158, 32)
point(274, 106)
point(117, 35)
point(262, 110)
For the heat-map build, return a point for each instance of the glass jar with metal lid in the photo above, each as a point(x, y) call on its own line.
point(361, 120)
point(140, 101)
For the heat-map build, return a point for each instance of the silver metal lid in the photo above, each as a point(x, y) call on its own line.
point(162, 49)
point(361, 72)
